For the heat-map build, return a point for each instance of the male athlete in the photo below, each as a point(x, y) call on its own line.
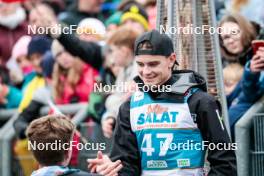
point(163, 133)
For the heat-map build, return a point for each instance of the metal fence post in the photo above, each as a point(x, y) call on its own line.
point(243, 138)
point(6, 135)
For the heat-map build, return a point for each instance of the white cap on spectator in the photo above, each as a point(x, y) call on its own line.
point(92, 26)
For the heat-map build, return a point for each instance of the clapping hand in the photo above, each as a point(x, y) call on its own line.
point(104, 166)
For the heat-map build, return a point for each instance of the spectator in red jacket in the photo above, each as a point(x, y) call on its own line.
point(73, 80)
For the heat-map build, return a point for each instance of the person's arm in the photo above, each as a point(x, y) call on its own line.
point(250, 84)
point(25, 117)
point(108, 121)
point(210, 123)
point(252, 78)
point(89, 52)
point(125, 144)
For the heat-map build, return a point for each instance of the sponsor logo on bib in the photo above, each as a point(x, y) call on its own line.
point(183, 162)
point(157, 164)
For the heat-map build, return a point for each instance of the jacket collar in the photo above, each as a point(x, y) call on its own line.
point(180, 81)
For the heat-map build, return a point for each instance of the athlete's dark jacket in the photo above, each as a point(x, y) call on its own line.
point(202, 107)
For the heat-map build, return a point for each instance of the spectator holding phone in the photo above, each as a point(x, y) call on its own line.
point(236, 38)
point(252, 87)
point(253, 78)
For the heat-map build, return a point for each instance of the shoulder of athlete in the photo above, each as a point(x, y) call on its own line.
point(203, 98)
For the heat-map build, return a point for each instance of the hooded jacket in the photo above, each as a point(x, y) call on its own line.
point(205, 112)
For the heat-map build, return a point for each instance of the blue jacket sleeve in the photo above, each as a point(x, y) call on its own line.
point(13, 97)
point(252, 84)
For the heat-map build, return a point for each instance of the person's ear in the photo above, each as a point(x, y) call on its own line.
point(172, 59)
point(68, 155)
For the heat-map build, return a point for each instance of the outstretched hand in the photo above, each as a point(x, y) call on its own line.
point(104, 166)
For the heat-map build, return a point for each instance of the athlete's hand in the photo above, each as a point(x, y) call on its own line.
point(108, 126)
point(104, 166)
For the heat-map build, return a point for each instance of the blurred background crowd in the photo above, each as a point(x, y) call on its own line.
point(40, 69)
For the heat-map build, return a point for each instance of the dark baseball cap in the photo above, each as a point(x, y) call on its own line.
point(161, 44)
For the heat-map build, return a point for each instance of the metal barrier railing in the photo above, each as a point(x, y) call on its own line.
point(6, 114)
point(7, 133)
point(80, 116)
point(257, 154)
point(244, 139)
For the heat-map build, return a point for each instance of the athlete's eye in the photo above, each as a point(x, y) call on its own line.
point(140, 64)
point(153, 64)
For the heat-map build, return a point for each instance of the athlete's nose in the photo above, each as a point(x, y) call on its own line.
point(146, 70)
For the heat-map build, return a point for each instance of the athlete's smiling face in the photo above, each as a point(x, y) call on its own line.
point(154, 70)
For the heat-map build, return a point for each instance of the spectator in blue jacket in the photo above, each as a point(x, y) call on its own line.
point(238, 33)
point(252, 87)
point(253, 79)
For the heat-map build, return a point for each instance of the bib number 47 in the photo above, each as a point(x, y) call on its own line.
point(147, 143)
